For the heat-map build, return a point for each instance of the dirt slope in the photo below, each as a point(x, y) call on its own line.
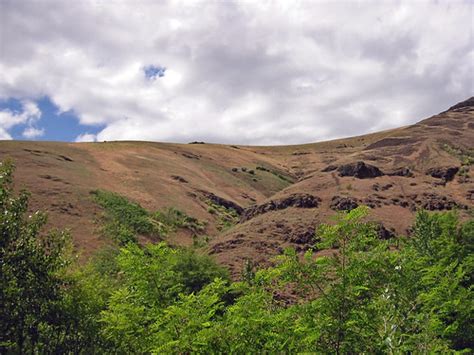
point(281, 192)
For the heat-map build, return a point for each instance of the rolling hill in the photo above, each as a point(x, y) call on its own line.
point(279, 193)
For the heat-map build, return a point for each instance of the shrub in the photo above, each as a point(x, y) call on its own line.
point(124, 219)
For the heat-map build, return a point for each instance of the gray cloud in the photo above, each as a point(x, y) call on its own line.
point(238, 72)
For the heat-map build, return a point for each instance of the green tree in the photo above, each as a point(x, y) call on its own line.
point(436, 285)
point(153, 278)
point(31, 268)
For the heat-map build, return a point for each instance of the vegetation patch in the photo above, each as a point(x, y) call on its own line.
point(466, 156)
point(173, 219)
point(368, 293)
point(276, 173)
point(226, 216)
point(124, 220)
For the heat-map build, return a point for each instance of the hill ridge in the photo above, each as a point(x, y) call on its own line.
point(296, 186)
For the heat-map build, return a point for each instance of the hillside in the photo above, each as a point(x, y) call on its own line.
point(280, 193)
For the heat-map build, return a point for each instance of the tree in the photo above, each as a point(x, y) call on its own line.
point(31, 267)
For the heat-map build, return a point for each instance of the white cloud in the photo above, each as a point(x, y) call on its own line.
point(243, 72)
point(86, 137)
point(4, 135)
point(29, 115)
point(32, 132)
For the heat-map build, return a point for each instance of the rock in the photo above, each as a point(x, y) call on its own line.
point(190, 155)
point(339, 203)
point(384, 233)
point(385, 187)
point(329, 168)
point(302, 235)
point(359, 170)
point(372, 201)
point(220, 201)
point(406, 172)
point(179, 178)
point(467, 103)
point(299, 200)
point(445, 173)
point(435, 202)
point(470, 195)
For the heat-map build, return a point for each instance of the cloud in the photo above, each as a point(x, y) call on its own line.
point(29, 115)
point(32, 132)
point(86, 137)
point(238, 72)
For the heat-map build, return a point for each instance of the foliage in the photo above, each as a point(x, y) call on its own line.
point(124, 220)
point(364, 295)
point(226, 217)
point(276, 173)
point(153, 278)
point(30, 270)
point(466, 156)
point(174, 219)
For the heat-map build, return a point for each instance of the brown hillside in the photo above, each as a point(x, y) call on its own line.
point(282, 192)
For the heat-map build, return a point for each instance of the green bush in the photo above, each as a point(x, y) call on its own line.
point(124, 220)
point(174, 219)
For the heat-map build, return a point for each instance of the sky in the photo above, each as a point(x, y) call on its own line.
point(237, 72)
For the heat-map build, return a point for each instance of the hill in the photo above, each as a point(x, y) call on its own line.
point(279, 193)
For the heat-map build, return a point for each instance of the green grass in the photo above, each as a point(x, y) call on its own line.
point(174, 219)
point(276, 173)
point(226, 217)
point(466, 156)
point(124, 220)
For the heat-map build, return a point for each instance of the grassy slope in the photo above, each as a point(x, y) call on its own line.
point(61, 176)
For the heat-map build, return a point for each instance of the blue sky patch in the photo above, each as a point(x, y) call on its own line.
point(57, 126)
point(154, 71)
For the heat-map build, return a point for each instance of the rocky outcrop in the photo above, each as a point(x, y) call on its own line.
point(339, 203)
point(470, 195)
point(378, 187)
point(301, 235)
point(359, 170)
point(295, 200)
point(406, 172)
point(220, 201)
point(467, 103)
point(179, 179)
point(329, 168)
point(445, 173)
point(428, 201)
point(373, 201)
point(435, 202)
point(384, 233)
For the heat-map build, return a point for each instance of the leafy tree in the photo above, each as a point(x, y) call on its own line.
point(438, 279)
point(153, 278)
point(31, 268)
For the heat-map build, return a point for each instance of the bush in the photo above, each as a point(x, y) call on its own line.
point(124, 219)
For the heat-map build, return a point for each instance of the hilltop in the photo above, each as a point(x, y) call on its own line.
point(279, 193)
